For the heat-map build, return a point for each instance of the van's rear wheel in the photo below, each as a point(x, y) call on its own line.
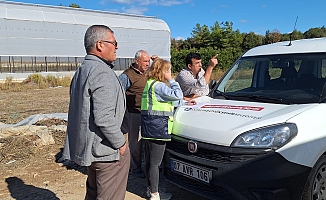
point(315, 188)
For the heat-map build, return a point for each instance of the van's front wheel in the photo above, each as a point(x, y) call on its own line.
point(315, 188)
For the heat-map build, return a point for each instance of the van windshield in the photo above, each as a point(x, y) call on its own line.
point(282, 79)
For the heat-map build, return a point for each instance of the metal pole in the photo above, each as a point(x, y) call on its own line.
point(56, 60)
point(46, 65)
point(32, 65)
point(21, 63)
point(9, 64)
point(35, 63)
point(76, 63)
point(68, 64)
point(59, 63)
point(13, 65)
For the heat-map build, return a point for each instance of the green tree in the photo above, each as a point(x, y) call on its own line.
point(315, 32)
point(216, 36)
point(230, 38)
point(74, 5)
point(228, 43)
point(296, 35)
point(175, 44)
point(201, 35)
point(272, 37)
point(251, 40)
point(186, 44)
point(178, 59)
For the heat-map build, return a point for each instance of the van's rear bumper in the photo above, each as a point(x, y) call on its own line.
point(237, 173)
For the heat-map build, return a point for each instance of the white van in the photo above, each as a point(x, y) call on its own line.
point(261, 132)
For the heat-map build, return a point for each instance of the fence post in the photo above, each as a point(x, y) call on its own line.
point(59, 63)
point(46, 64)
point(21, 63)
point(56, 60)
point(68, 64)
point(32, 65)
point(35, 64)
point(11, 67)
point(76, 63)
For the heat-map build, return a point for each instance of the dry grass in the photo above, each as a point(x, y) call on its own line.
point(217, 74)
point(17, 105)
point(35, 166)
point(35, 95)
point(35, 81)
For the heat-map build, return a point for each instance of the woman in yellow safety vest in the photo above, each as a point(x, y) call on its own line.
point(160, 93)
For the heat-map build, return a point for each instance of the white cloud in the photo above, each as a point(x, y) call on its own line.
point(170, 2)
point(134, 10)
point(149, 2)
point(244, 21)
point(138, 7)
point(179, 38)
point(126, 1)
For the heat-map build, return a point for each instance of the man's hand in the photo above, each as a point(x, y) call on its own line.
point(213, 61)
point(190, 97)
point(153, 57)
point(191, 102)
point(123, 149)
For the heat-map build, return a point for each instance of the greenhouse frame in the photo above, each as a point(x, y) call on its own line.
point(40, 38)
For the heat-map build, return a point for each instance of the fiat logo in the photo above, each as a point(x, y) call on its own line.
point(192, 146)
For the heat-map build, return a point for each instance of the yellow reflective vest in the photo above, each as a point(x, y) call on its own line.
point(156, 116)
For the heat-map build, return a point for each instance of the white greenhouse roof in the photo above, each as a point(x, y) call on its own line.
point(41, 30)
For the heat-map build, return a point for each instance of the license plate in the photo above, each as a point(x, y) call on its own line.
point(191, 170)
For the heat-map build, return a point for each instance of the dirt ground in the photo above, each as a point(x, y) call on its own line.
point(29, 172)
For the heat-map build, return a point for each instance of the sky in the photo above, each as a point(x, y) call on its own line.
point(256, 16)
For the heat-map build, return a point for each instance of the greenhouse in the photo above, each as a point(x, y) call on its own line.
point(39, 38)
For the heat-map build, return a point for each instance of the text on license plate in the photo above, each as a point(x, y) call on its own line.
point(191, 170)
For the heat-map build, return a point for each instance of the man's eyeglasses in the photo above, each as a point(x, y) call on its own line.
point(115, 43)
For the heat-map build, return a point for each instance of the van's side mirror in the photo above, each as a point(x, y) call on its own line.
point(211, 84)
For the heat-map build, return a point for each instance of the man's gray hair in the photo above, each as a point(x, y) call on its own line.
point(139, 53)
point(93, 34)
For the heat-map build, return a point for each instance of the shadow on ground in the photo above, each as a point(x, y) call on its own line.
point(20, 191)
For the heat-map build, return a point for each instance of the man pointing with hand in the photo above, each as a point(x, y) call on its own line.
point(194, 79)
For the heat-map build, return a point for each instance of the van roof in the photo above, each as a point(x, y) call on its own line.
point(298, 46)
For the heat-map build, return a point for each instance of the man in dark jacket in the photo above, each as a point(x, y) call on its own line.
point(96, 110)
point(133, 80)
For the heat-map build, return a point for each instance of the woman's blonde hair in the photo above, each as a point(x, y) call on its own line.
point(158, 69)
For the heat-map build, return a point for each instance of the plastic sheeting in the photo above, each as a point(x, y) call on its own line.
point(28, 127)
point(58, 31)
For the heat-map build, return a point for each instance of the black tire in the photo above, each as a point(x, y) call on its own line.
point(315, 188)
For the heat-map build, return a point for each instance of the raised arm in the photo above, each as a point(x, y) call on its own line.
point(212, 63)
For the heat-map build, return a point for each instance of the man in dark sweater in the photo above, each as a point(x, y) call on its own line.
point(133, 80)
